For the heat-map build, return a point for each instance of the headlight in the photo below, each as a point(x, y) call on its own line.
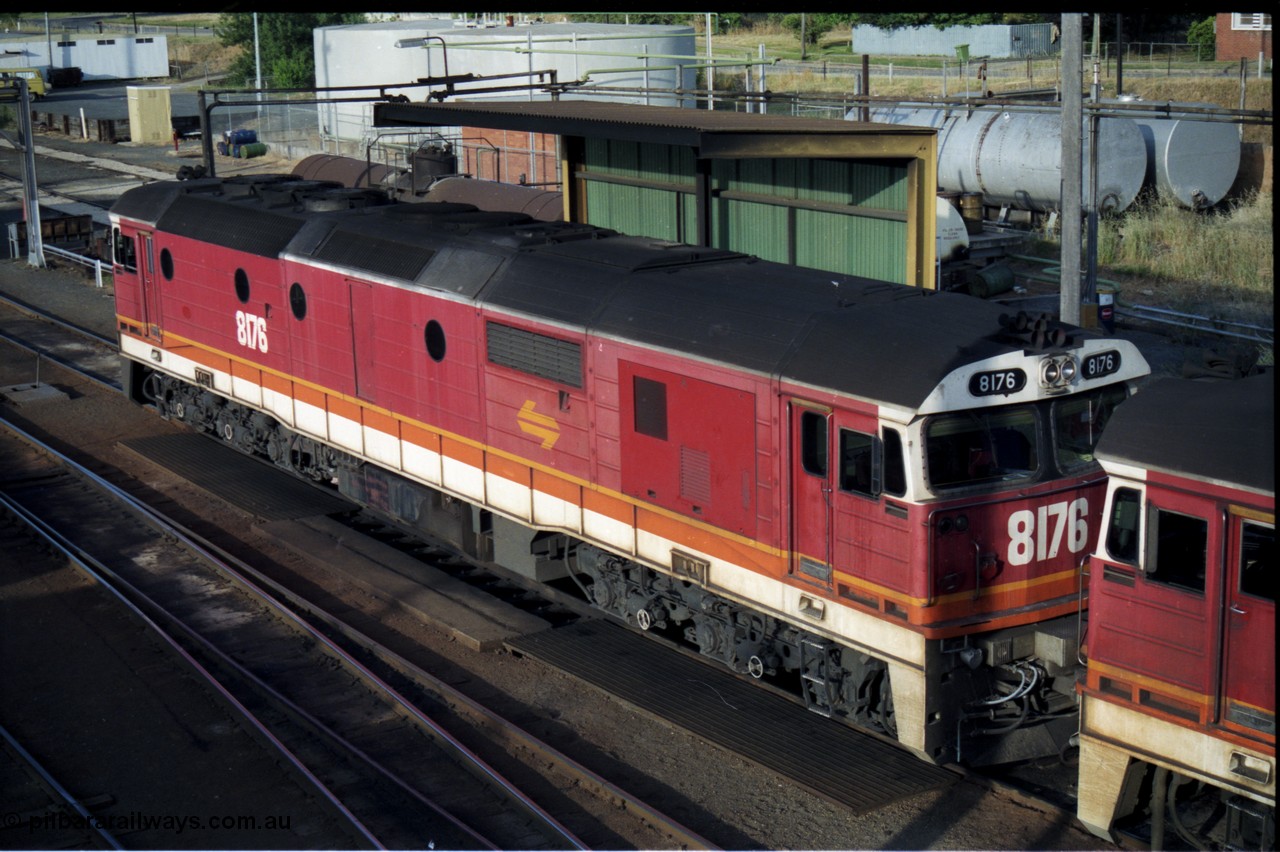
point(1057, 372)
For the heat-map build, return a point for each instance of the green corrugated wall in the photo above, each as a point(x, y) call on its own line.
point(647, 189)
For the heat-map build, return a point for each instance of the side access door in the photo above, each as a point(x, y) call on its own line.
point(150, 288)
point(811, 487)
point(1248, 698)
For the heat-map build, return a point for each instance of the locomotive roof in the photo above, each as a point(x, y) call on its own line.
point(889, 343)
point(1219, 430)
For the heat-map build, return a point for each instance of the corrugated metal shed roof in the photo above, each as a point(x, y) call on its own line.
point(706, 130)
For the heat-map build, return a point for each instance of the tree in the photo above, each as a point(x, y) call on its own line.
point(816, 24)
point(1202, 35)
point(284, 42)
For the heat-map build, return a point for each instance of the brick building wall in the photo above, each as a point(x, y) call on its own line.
point(1242, 35)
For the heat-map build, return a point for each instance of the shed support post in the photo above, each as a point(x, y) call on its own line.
point(702, 180)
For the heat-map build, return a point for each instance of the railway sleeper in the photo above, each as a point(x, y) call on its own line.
point(977, 712)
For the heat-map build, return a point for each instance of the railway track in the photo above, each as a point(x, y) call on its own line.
point(403, 778)
point(37, 803)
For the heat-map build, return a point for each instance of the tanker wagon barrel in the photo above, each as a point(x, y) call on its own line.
point(1190, 161)
point(1015, 158)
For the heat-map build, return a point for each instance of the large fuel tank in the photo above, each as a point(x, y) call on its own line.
point(542, 204)
point(347, 171)
point(1190, 161)
point(1015, 158)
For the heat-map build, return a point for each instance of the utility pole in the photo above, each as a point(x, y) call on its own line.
point(1072, 125)
point(30, 191)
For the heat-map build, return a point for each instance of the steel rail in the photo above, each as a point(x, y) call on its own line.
point(45, 776)
point(32, 310)
point(208, 552)
point(107, 579)
point(684, 837)
point(1198, 322)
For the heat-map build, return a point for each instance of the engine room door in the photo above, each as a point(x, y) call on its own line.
point(364, 338)
point(1249, 635)
point(811, 492)
point(150, 291)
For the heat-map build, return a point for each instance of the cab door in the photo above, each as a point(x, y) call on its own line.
point(150, 288)
point(1249, 629)
point(811, 477)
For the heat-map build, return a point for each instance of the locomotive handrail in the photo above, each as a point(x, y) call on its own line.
point(1082, 571)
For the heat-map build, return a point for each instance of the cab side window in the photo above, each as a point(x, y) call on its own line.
point(856, 451)
point(123, 251)
point(1258, 560)
point(1125, 529)
point(895, 471)
point(1177, 548)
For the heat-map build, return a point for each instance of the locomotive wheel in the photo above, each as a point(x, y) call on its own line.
point(643, 619)
point(755, 667)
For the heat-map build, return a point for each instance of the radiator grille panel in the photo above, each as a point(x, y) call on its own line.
point(536, 354)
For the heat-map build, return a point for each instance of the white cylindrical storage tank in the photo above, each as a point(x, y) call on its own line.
point(629, 59)
point(1015, 158)
point(1193, 162)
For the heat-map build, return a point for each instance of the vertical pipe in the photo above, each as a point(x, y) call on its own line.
point(1119, 55)
point(1244, 72)
point(763, 104)
point(866, 86)
point(1091, 251)
point(711, 69)
point(1072, 122)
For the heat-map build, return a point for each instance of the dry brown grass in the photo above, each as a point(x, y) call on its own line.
point(1221, 259)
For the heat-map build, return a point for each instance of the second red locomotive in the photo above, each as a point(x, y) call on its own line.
point(1178, 717)
point(881, 494)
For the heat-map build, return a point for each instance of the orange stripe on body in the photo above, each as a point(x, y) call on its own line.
point(277, 384)
point(342, 408)
point(609, 507)
point(419, 436)
point(247, 372)
point(309, 396)
point(465, 453)
point(508, 469)
point(562, 489)
point(374, 419)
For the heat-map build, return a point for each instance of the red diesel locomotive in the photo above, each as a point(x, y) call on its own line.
point(879, 495)
point(1178, 712)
